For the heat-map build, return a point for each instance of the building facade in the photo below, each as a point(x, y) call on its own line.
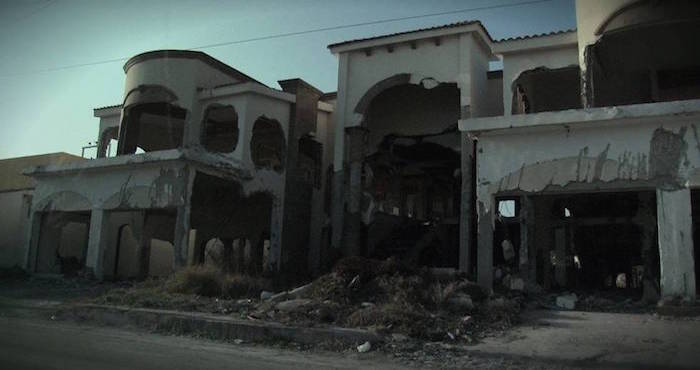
point(209, 163)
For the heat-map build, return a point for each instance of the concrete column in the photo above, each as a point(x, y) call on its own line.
point(675, 230)
point(353, 220)
point(466, 223)
point(485, 242)
point(31, 243)
point(275, 254)
point(97, 242)
point(527, 218)
point(181, 238)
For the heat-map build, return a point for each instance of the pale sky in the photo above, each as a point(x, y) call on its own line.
point(51, 111)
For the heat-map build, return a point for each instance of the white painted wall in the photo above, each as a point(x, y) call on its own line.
point(532, 161)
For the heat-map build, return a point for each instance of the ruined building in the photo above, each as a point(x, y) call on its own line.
point(206, 158)
point(574, 166)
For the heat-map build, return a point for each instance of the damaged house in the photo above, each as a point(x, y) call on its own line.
point(575, 167)
point(200, 163)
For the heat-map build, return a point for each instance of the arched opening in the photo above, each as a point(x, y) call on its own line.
point(152, 121)
point(107, 144)
point(646, 53)
point(545, 90)
point(268, 145)
point(220, 129)
point(231, 227)
point(410, 199)
point(127, 254)
point(63, 242)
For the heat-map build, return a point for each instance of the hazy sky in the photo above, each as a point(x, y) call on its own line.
point(50, 111)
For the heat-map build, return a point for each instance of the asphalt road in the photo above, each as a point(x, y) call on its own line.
point(44, 344)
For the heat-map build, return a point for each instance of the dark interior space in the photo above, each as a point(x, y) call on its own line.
point(220, 210)
point(695, 199)
point(151, 127)
point(646, 54)
point(602, 242)
point(220, 129)
point(545, 90)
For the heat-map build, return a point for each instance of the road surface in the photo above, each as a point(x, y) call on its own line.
point(43, 344)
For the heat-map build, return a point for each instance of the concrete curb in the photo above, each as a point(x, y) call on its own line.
point(211, 326)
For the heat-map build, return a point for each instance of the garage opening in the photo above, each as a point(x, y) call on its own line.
point(603, 243)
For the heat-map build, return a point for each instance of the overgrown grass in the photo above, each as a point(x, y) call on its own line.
point(195, 288)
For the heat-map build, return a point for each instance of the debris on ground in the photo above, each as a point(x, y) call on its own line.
point(364, 347)
point(567, 301)
point(387, 297)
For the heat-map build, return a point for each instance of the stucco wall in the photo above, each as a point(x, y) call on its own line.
point(155, 185)
point(590, 156)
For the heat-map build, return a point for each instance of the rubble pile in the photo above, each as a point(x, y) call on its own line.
point(392, 298)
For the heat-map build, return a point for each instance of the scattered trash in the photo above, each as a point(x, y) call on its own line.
point(364, 347)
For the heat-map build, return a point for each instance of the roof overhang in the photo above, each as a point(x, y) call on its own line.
point(556, 40)
point(412, 36)
point(113, 110)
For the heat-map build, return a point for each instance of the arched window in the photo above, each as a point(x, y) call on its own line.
point(268, 145)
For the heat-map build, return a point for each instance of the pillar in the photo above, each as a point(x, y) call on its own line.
point(32, 241)
point(97, 242)
point(675, 233)
point(353, 219)
point(181, 238)
point(466, 224)
point(527, 221)
point(485, 242)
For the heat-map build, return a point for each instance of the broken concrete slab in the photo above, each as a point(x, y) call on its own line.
point(293, 305)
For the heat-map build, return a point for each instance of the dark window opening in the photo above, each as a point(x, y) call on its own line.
point(268, 145)
point(151, 127)
point(220, 129)
point(545, 90)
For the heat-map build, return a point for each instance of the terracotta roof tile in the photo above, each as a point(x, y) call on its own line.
point(451, 25)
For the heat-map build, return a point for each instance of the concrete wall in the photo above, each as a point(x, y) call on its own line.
point(13, 218)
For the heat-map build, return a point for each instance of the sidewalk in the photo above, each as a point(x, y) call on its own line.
point(602, 339)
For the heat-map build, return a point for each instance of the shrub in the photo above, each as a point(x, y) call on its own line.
point(200, 280)
point(237, 286)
